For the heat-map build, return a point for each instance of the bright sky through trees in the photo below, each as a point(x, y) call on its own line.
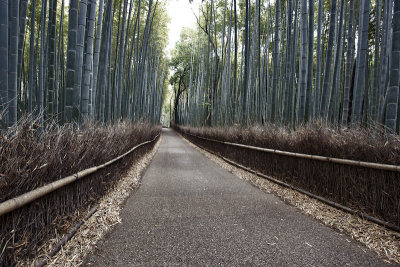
point(181, 14)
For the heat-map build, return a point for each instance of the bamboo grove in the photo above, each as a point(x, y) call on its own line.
point(290, 62)
point(93, 59)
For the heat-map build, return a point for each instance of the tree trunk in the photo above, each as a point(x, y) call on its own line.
point(86, 86)
point(71, 58)
point(303, 62)
point(334, 98)
point(23, 7)
point(328, 61)
point(41, 63)
point(349, 67)
point(52, 57)
point(392, 95)
point(13, 32)
point(309, 96)
point(121, 63)
point(275, 64)
point(319, 62)
point(80, 45)
point(361, 64)
point(375, 98)
point(98, 41)
point(235, 61)
point(32, 72)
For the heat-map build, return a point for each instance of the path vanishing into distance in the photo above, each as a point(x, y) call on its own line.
point(190, 211)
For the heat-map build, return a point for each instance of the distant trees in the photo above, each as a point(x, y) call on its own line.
point(293, 65)
point(78, 69)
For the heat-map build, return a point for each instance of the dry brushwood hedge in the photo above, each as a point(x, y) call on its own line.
point(376, 192)
point(28, 162)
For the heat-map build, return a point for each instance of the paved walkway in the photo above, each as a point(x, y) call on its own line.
point(190, 211)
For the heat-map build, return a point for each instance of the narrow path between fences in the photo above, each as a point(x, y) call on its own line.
point(190, 211)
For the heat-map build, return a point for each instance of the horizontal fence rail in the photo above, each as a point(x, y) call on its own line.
point(350, 163)
point(24, 199)
point(378, 166)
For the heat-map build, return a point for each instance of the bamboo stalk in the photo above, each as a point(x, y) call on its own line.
point(65, 238)
point(19, 201)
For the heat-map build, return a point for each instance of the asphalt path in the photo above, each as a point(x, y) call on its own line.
point(191, 212)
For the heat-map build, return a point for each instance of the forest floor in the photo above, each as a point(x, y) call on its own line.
point(190, 211)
